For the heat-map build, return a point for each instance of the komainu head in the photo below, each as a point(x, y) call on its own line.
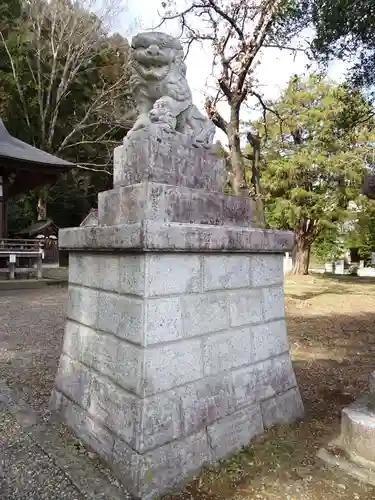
point(155, 49)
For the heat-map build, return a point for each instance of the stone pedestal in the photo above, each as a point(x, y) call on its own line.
point(354, 450)
point(175, 351)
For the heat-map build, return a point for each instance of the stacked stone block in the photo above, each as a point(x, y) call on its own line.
point(174, 355)
point(175, 351)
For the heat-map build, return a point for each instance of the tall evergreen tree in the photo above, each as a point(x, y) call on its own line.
point(314, 159)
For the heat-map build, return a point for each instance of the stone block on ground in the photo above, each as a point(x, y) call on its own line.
point(358, 432)
point(162, 468)
point(234, 432)
point(89, 429)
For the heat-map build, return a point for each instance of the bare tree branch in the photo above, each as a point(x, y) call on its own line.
point(88, 167)
point(237, 31)
point(64, 39)
point(16, 79)
point(215, 116)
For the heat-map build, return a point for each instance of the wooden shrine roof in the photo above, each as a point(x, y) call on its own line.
point(16, 153)
point(27, 166)
point(38, 227)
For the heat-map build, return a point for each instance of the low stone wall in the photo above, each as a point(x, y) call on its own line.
point(173, 360)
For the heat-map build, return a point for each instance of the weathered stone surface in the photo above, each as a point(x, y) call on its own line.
point(95, 435)
point(165, 203)
point(74, 380)
point(274, 376)
point(122, 316)
point(155, 236)
point(125, 464)
point(102, 237)
point(56, 401)
point(232, 433)
point(131, 274)
point(204, 401)
point(268, 339)
point(261, 381)
point(266, 270)
point(169, 274)
point(110, 272)
point(171, 161)
point(200, 237)
point(120, 361)
point(94, 271)
point(358, 431)
point(142, 423)
point(371, 383)
point(102, 399)
point(172, 365)
point(114, 408)
point(159, 421)
point(273, 302)
point(83, 305)
point(204, 313)
point(142, 371)
point(225, 272)
point(282, 409)
point(245, 307)
point(163, 320)
point(224, 351)
point(116, 314)
point(162, 468)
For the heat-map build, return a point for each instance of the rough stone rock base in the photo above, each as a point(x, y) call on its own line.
point(173, 360)
point(354, 451)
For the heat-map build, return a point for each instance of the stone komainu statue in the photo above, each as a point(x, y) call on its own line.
point(161, 91)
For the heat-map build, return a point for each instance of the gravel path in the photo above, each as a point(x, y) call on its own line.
point(40, 460)
point(31, 335)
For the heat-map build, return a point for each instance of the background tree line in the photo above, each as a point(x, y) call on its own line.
point(64, 88)
point(307, 156)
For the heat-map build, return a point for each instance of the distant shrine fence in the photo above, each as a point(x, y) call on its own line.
point(24, 255)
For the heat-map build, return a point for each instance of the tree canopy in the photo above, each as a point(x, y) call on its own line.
point(344, 29)
point(237, 33)
point(315, 150)
point(64, 88)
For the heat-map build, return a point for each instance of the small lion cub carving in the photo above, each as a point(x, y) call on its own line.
point(161, 91)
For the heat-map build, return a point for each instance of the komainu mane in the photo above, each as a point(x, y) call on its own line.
point(161, 91)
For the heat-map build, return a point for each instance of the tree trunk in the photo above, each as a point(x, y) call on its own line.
point(236, 159)
point(254, 141)
point(42, 205)
point(239, 184)
point(301, 254)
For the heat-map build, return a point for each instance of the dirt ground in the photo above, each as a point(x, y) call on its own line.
point(331, 325)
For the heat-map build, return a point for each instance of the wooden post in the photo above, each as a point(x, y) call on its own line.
point(3, 209)
point(12, 266)
point(39, 273)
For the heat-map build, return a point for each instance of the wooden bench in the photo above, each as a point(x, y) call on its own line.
point(15, 249)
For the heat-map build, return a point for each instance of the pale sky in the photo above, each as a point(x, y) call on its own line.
point(275, 68)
